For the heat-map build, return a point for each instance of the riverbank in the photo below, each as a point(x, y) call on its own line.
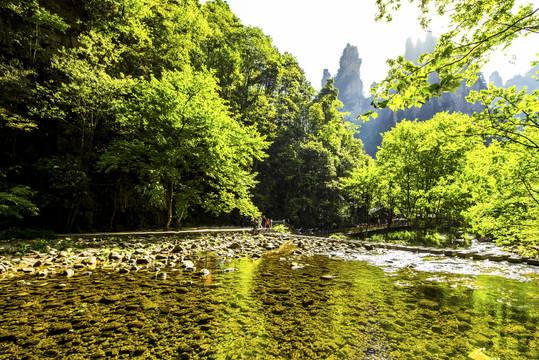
point(81, 254)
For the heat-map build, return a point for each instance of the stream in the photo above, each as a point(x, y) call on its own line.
point(339, 304)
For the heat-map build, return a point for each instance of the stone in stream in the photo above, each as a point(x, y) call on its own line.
point(68, 273)
point(515, 259)
point(534, 262)
point(115, 256)
point(143, 261)
point(328, 277)
point(204, 272)
point(161, 276)
point(188, 265)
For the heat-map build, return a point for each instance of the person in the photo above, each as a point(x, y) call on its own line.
point(268, 224)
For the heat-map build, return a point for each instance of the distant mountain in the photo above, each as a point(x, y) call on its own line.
point(348, 81)
point(526, 80)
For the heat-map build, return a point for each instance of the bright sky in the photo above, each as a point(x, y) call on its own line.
point(317, 31)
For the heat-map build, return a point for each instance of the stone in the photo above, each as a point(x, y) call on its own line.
point(109, 299)
point(38, 263)
point(328, 277)
point(143, 261)
point(228, 270)
point(161, 276)
point(115, 257)
point(515, 259)
point(204, 272)
point(187, 264)
point(68, 273)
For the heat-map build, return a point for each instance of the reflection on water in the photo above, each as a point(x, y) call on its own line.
point(269, 309)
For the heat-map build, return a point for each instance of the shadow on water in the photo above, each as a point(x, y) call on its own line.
point(277, 307)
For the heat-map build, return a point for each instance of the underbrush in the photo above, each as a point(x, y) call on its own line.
point(431, 238)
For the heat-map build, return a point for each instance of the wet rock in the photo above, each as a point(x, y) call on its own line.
point(228, 270)
point(28, 270)
point(38, 263)
point(161, 276)
point(143, 261)
point(79, 266)
point(115, 256)
point(60, 328)
point(328, 277)
point(109, 299)
point(123, 271)
point(42, 273)
point(92, 260)
point(68, 273)
point(204, 272)
point(515, 259)
point(534, 262)
point(188, 264)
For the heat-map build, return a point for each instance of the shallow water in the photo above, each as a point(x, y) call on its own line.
point(277, 307)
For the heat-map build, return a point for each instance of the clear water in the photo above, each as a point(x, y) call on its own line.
point(277, 307)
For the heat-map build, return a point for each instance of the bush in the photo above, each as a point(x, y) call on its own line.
point(281, 228)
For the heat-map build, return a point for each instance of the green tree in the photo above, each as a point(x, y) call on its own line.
point(477, 29)
point(187, 149)
point(420, 161)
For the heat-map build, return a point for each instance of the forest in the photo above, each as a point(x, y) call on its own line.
point(137, 114)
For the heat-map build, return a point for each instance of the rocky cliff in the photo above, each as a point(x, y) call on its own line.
point(348, 81)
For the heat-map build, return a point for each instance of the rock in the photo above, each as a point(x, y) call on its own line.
point(109, 299)
point(515, 259)
point(534, 262)
point(79, 266)
point(161, 276)
point(115, 257)
point(92, 260)
point(22, 283)
point(161, 257)
point(38, 263)
point(60, 328)
point(42, 273)
point(228, 270)
point(124, 271)
point(187, 264)
point(328, 277)
point(143, 261)
point(68, 273)
point(204, 272)
point(28, 270)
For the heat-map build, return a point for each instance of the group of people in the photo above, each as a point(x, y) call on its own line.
point(261, 222)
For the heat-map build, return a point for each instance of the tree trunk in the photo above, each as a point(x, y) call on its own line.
point(170, 195)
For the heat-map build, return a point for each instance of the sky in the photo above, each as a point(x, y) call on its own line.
point(317, 31)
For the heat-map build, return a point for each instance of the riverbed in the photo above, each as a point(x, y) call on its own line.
point(294, 300)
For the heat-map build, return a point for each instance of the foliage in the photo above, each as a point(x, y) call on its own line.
point(137, 113)
point(281, 229)
point(500, 180)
